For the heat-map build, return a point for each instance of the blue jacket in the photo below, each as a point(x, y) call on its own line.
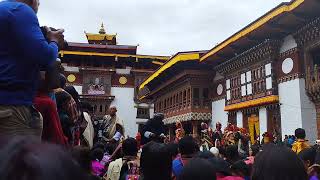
point(23, 50)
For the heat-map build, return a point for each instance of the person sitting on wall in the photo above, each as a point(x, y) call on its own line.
point(154, 130)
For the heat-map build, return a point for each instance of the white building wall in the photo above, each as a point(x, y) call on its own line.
point(218, 113)
point(288, 43)
point(263, 119)
point(78, 89)
point(296, 109)
point(309, 114)
point(124, 101)
point(152, 111)
point(239, 119)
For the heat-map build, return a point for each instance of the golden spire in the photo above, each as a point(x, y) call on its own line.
point(102, 30)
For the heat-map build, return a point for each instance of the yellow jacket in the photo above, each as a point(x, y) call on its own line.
point(300, 145)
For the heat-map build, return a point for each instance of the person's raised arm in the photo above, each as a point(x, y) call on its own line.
point(28, 38)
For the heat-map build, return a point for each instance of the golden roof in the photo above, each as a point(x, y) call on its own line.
point(179, 57)
point(253, 26)
point(101, 36)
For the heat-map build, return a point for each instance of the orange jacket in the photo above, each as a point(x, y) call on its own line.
point(300, 145)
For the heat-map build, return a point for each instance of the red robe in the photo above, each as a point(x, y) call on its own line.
point(52, 130)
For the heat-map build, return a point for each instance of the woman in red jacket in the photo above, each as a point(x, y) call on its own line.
point(52, 130)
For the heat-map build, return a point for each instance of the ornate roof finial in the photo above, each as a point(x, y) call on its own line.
point(102, 30)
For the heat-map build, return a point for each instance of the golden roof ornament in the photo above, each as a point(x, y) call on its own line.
point(102, 30)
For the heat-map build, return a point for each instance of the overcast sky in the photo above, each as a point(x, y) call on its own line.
point(160, 27)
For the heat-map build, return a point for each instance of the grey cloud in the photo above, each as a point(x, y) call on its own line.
point(161, 27)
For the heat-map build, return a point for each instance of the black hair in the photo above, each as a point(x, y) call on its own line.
point(188, 146)
point(220, 165)
point(73, 92)
point(197, 169)
point(278, 163)
point(82, 156)
point(100, 145)
point(173, 149)
point(63, 80)
point(119, 128)
point(96, 154)
point(222, 151)
point(300, 133)
point(240, 168)
point(308, 154)
point(110, 148)
point(156, 162)
point(232, 154)
point(29, 159)
point(204, 155)
point(130, 147)
point(86, 107)
point(255, 149)
point(62, 97)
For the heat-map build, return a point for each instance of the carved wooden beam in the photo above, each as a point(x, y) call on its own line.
point(253, 39)
point(300, 16)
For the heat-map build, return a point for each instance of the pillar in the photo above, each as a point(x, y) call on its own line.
point(263, 119)
point(239, 119)
point(194, 129)
point(171, 132)
point(318, 118)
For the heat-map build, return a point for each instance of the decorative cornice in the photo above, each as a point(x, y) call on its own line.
point(288, 52)
point(268, 50)
point(218, 98)
point(308, 33)
point(253, 103)
point(290, 78)
point(74, 84)
point(188, 117)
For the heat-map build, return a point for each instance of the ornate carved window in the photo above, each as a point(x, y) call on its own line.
point(233, 88)
point(261, 76)
point(143, 113)
point(268, 75)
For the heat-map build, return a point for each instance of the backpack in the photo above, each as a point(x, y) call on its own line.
point(114, 170)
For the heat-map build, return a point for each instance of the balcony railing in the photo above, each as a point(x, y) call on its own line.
point(313, 82)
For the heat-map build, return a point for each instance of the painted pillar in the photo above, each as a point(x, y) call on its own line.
point(239, 119)
point(263, 119)
point(171, 132)
point(194, 129)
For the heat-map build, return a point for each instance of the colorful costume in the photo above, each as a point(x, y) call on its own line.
point(180, 133)
point(206, 141)
point(217, 134)
point(299, 145)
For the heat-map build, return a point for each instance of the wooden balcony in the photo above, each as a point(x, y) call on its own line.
point(313, 83)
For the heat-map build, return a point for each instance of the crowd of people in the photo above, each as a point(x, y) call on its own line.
point(46, 132)
point(29, 158)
